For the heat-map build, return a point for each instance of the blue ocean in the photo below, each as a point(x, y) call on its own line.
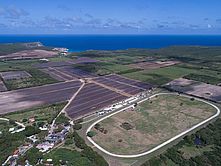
point(114, 42)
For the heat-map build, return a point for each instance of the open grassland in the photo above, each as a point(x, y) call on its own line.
point(150, 124)
point(71, 157)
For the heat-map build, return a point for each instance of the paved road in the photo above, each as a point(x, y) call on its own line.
point(159, 146)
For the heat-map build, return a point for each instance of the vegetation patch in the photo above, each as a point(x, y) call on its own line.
point(126, 126)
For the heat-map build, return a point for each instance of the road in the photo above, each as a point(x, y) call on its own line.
point(158, 146)
point(67, 105)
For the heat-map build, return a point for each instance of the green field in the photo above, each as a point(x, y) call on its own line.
point(72, 157)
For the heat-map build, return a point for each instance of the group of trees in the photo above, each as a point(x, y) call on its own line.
point(209, 135)
point(31, 130)
point(33, 156)
point(88, 152)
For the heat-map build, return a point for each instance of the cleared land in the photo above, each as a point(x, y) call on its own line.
point(65, 73)
point(73, 72)
point(195, 88)
point(54, 64)
point(131, 82)
point(102, 92)
point(153, 65)
point(56, 74)
point(29, 54)
point(81, 60)
point(13, 101)
point(122, 84)
point(91, 98)
point(14, 75)
point(150, 124)
point(2, 87)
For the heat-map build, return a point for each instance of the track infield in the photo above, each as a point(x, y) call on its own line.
point(151, 125)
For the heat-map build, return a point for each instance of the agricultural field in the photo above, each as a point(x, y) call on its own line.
point(194, 63)
point(151, 123)
point(104, 68)
point(163, 75)
point(37, 77)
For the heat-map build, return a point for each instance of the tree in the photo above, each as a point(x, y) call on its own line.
point(31, 130)
point(12, 122)
point(77, 126)
point(91, 133)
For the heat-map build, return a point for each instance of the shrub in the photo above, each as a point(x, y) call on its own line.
point(126, 126)
point(12, 122)
point(24, 120)
point(97, 126)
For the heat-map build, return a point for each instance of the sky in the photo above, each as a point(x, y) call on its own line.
point(110, 17)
